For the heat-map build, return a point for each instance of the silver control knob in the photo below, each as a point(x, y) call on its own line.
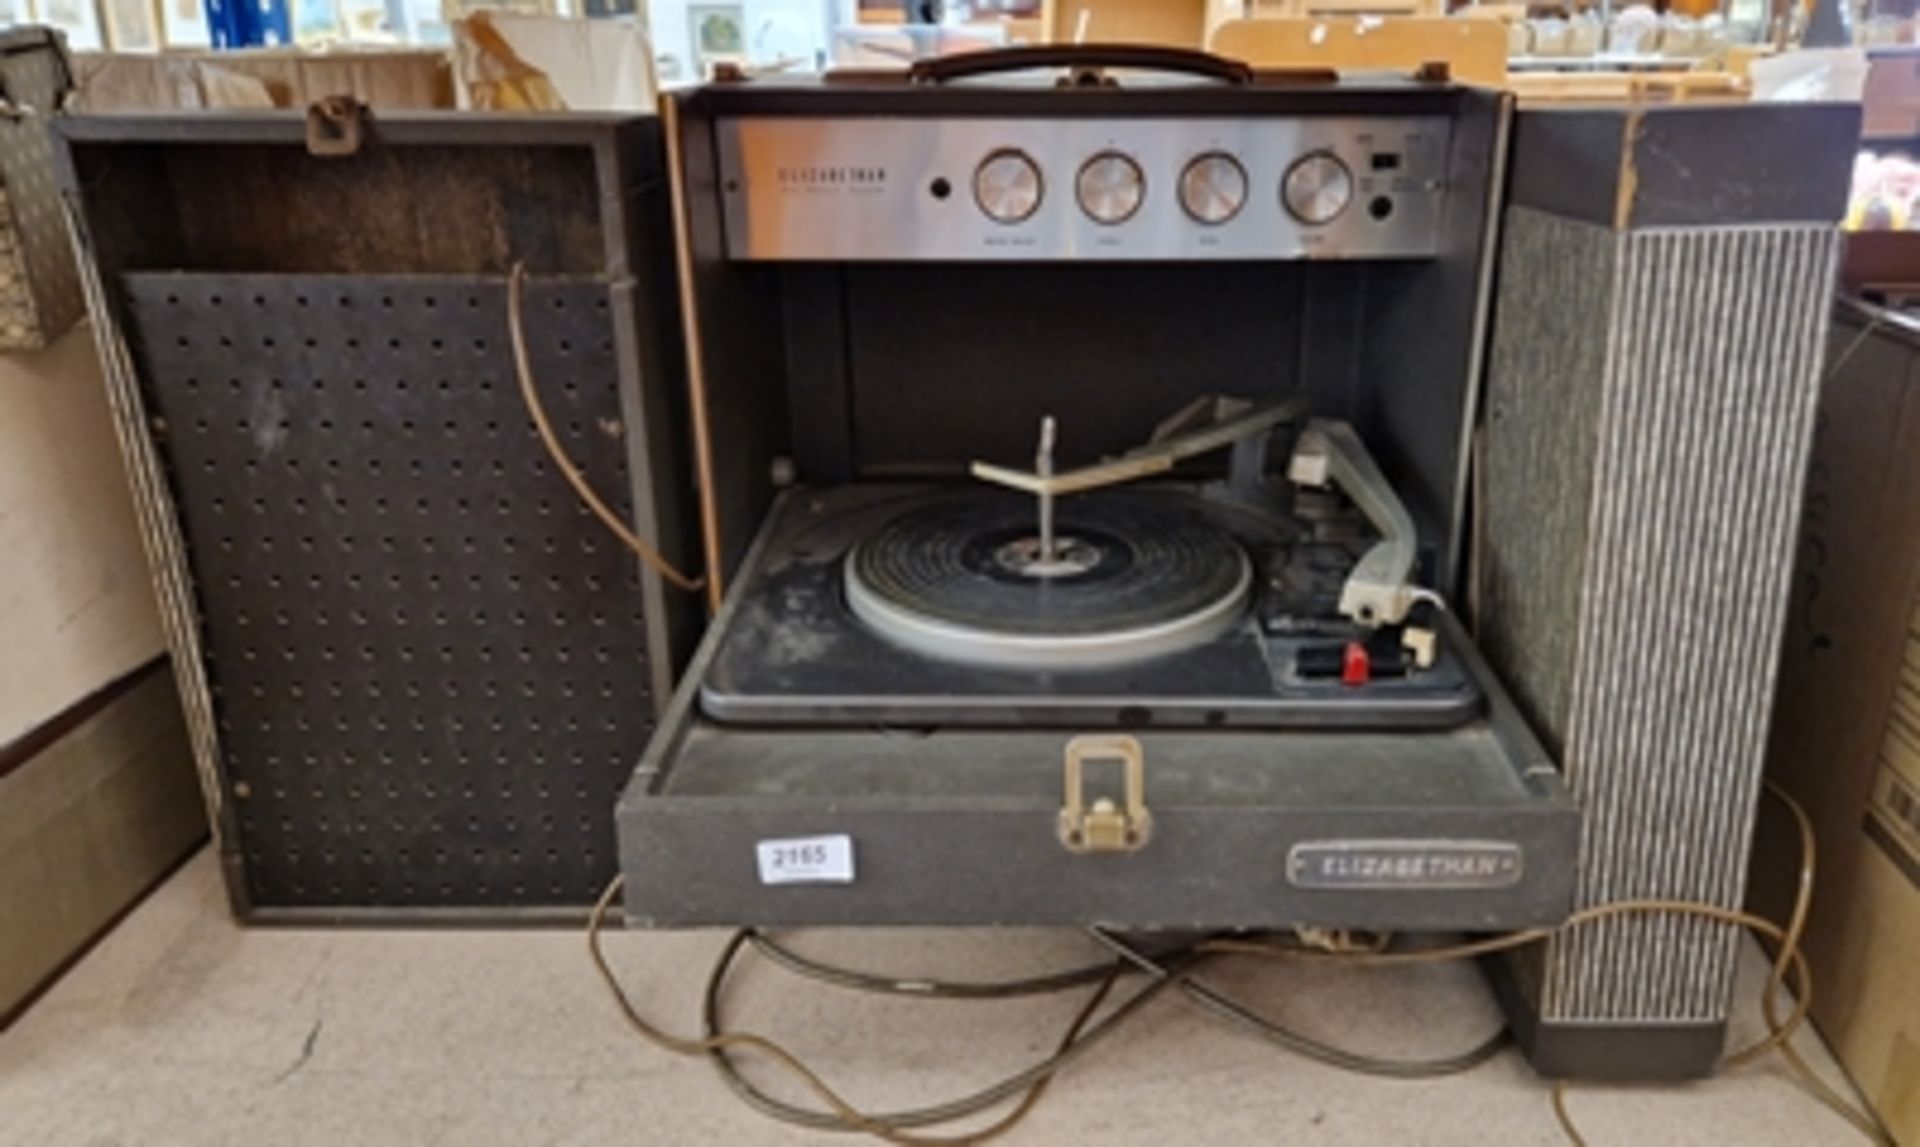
point(1317, 188)
point(1213, 188)
point(1007, 186)
point(1110, 188)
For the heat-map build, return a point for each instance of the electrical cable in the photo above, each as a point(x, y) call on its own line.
point(985, 1098)
point(846, 1112)
point(716, 1043)
point(944, 1113)
point(530, 394)
point(844, 1116)
point(1873, 323)
point(1789, 958)
point(1560, 1114)
point(792, 961)
point(924, 988)
point(1585, 916)
point(1223, 1005)
point(1796, 926)
point(1779, 1034)
point(1864, 1120)
point(1164, 975)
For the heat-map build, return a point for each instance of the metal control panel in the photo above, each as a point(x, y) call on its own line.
point(1031, 189)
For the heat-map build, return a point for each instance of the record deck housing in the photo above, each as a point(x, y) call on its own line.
point(1084, 498)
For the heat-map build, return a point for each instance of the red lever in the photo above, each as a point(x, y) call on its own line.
point(1357, 667)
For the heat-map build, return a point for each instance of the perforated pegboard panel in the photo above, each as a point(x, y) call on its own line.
point(39, 291)
point(429, 663)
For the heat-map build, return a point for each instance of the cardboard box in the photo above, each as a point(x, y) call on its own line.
point(98, 795)
point(1846, 731)
point(508, 62)
point(273, 77)
point(1892, 96)
point(90, 818)
point(76, 601)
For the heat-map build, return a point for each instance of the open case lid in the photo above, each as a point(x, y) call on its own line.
point(838, 362)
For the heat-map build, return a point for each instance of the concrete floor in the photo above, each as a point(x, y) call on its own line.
point(181, 1028)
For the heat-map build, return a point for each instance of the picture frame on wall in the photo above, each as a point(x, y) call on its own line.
point(370, 21)
point(184, 24)
point(316, 21)
point(133, 25)
point(451, 10)
point(78, 19)
point(719, 35)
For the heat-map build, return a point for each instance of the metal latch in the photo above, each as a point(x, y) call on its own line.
point(1102, 827)
point(335, 126)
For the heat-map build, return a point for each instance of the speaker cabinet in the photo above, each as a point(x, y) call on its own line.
point(416, 669)
point(1659, 320)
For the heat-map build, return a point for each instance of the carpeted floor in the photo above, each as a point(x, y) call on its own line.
point(183, 1028)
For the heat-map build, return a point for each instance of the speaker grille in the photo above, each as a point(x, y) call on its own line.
point(428, 663)
point(1650, 404)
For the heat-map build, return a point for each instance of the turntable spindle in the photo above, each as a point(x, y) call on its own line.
point(1043, 466)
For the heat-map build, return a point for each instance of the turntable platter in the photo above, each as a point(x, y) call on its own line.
point(1133, 574)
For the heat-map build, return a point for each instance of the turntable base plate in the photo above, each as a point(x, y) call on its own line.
point(792, 651)
point(1129, 577)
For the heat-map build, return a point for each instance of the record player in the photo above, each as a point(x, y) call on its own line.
point(1084, 497)
point(1234, 603)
